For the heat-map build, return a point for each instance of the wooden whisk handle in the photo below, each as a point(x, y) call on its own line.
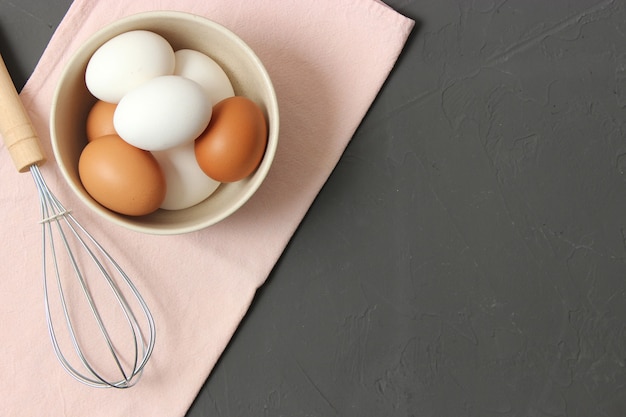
point(16, 128)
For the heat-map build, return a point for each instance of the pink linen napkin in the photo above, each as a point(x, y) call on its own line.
point(328, 60)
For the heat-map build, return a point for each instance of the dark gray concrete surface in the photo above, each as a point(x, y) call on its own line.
point(467, 257)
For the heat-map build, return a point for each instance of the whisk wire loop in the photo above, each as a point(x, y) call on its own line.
point(56, 218)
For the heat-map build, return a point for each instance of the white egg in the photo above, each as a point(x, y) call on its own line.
point(125, 62)
point(205, 71)
point(187, 185)
point(162, 113)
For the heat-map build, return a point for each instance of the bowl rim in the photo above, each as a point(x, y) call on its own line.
point(92, 42)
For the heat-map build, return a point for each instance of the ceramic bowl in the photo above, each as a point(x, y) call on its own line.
point(72, 102)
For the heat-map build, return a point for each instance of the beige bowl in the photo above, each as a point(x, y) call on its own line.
point(72, 102)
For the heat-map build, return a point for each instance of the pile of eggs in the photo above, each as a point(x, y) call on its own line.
point(166, 128)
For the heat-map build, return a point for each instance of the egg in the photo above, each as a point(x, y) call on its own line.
point(233, 145)
point(205, 71)
point(127, 61)
point(100, 120)
point(121, 177)
point(162, 113)
point(187, 185)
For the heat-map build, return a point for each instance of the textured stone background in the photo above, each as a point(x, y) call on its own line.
point(468, 255)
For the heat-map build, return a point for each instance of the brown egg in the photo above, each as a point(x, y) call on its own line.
point(100, 120)
point(233, 144)
point(122, 178)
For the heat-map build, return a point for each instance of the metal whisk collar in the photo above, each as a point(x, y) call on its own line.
point(59, 227)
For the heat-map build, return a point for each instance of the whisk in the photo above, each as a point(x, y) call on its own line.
point(104, 354)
